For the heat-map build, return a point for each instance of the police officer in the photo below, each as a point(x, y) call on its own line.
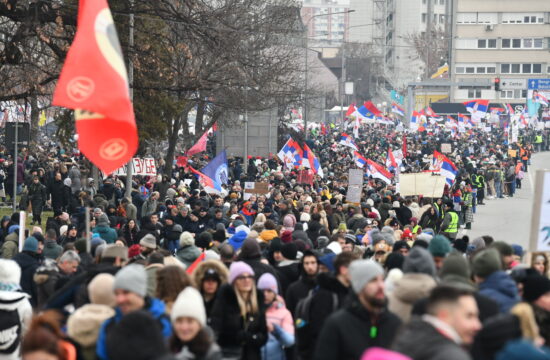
point(449, 227)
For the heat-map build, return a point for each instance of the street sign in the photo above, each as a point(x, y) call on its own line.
point(513, 84)
point(538, 84)
point(22, 134)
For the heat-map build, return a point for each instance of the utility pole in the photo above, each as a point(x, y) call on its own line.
point(429, 40)
point(129, 165)
point(343, 84)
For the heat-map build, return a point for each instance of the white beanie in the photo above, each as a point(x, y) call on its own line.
point(63, 229)
point(189, 303)
point(335, 247)
point(10, 274)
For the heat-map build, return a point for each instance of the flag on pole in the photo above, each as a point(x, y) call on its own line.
point(541, 99)
point(390, 160)
point(195, 263)
point(209, 185)
point(346, 140)
point(371, 108)
point(478, 108)
point(291, 154)
point(360, 161)
point(509, 109)
point(217, 168)
point(395, 108)
point(200, 146)
point(415, 121)
point(377, 171)
point(364, 113)
point(351, 110)
point(310, 161)
point(94, 83)
point(444, 166)
point(356, 126)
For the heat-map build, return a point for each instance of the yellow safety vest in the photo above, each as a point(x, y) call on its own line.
point(538, 139)
point(453, 226)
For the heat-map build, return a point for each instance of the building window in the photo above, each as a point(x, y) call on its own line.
point(474, 93)
point(515, 68)
point(521, 68)
point(506, 43)
point(537, 68)
point(470, 70)
point(481, 44)
point(491, 70)
point(525, 18)
point(492, 43)
point(460, 69)
point(504, 68)
point(507, 94)
point(537, 43)
point(424, 18)
point(516, 43)
point(481, 70)
point(526, 68)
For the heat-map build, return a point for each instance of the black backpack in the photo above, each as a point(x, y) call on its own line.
point(303, 309)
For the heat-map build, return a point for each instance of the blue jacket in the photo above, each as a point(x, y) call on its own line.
point(237, 240)
point(500, 287)
point(154, 306)
point(106, 233)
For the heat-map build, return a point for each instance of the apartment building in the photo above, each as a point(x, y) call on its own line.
point(504, 39)
point(326, 20)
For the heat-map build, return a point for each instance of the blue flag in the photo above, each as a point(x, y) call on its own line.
point(217, 169)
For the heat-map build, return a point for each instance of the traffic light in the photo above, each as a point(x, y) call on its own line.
point(496, 82)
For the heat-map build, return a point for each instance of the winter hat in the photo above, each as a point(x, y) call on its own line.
point(268, 282)
point(503, 248)
point(289, 251)
point(479, 243)
point(322, 242)
point(376, 353)
point(401, 244)
point(31, 244)
point(335, 247)
point(439, 246)
point(237, 269)
point(103, 220)
point(204, 240)
point(250, 250)
point(186, 239)
point(486, 262)
point(522, 349)
point(100, 290)
point(148, 241)
point(535, 286)
point(455, 264)
point(328, 261)
point(242, 228)
point(305, 217)
point(63, 229)
point(460, 245)
point(286, 236)
point(10, 275)
point(13, 228)
point(424, 237)
point(81, 245)
point(114, 251)
point(518, 250)
point(189, 303)
point(394, 260)
point(219, 235)
point(132, 278)
point(419, 261)
point(289, 221)
point(67, 182)
point(361, 272)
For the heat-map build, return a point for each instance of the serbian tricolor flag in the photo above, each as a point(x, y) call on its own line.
point(541, 99)
point(351, 110)
point(360, 160)
point(444, 166)
point(209, 184)
point(94, 83)
point(311, 161)
point(346, 140)
point(200, 146)
point(509, 109)
point(390, 160)
point(371, 108)
point(377, 171)
point(478, 108)
point(415, 121)
point(397, 109)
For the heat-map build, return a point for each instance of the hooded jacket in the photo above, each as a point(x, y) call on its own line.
point(106, 233)
point(500, 287)
point(188, 252)
point(154, 306)
point(11, 301)
point(52, 250)
point(83, 326)
point(198, 277)
point(407, 291)
point(283, 331)
point(28, 262)
point(237, 240)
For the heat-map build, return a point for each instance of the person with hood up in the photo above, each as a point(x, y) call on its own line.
point(364, 322)
point(309, 268)
point(237, 240)
point(51, 249)
point(209, 276)
point(10, 247)
point(187, 252)
point(83, 325)
point(492, 281)
point(288, 269)
point(238, 317)
point(15, 310)
point(416, 283)
point(130, 287)
point(279, 320)
point(192, 339)
point(103, 228)
point(29, 260)
point(250, 253)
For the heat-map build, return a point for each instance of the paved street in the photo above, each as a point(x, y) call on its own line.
point(510, 219)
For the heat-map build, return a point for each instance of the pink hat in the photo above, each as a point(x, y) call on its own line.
point(237, 269)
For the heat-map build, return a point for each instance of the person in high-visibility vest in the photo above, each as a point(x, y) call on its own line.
point(538, 142)
point(449, 227)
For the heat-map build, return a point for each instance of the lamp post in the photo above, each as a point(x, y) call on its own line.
point(305, 115)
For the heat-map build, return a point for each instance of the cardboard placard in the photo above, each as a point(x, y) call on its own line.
point(446, 148)
point(255, 188)
point(355, 186)
point(426, 184)
point(140, 166)
point(540, 220)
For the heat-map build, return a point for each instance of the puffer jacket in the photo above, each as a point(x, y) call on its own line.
point(500, 287)
point(11, 302)
point(407, 291)
point(283, 331)
point(268, 235)
point(83, 327)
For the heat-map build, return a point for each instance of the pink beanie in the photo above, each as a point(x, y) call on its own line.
point(268, 282)
point(237, 269)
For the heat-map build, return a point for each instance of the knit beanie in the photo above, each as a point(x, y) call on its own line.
point(237, 269)
point(289, 251)
point(219, 235)
point(455, 264)
point(100, 290)
point(132, 278)
point(81, 245)
point(189, 303)
point(328, 261)
point(439, 246)
point(268, 282)
point(503, 248)
point(204, 240)
point(486, 262)
point(63, 229)
point(10, 275)
point(148, 241)
point(13, 228)
point(186, 239)
point(31, 244)
point(361, 272)
point(103, 220)
point(419, 261)
point(535, 286)
point(394, 260)
point(250, 250)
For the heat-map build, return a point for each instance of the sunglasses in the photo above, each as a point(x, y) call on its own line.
point(245, 277)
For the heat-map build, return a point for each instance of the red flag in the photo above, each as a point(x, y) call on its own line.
point(94, 83)
point(370, 107)
point(404, 146)
point(181, 161)
point(200, 146)
point(195, 263)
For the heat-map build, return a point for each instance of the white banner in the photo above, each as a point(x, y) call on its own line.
point(140, 166)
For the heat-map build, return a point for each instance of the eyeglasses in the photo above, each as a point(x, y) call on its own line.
point(245, 277)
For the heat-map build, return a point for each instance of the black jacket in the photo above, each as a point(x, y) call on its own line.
point(287, 275)
point(347, 333)
point(421, 341)
point(232, 333)
point(28, 262)
point(297, 291)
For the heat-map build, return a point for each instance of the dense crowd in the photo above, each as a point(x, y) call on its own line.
point(173, 272)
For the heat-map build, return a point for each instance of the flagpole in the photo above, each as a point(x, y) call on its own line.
point(129, 165)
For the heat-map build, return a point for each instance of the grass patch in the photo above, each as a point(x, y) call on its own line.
point(7, 211)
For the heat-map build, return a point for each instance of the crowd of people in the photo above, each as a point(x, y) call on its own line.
point(173, 272)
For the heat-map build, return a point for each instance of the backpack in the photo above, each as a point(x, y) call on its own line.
point(303, 309)
point(10, 331)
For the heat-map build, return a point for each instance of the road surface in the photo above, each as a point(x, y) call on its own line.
point(509, 219)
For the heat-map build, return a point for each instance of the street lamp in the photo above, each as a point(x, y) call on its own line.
point(306, 65)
